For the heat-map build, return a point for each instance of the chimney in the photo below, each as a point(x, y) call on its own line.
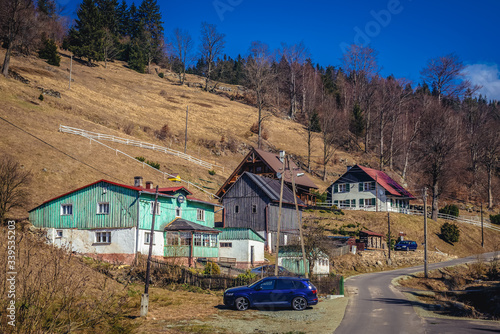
point(149, 185)
point(282, 156)
point(138, 181)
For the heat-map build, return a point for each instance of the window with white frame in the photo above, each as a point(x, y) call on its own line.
point(213, 240)
point(342, 188)
point(185, 238)
point(66, 209)
point(172, 238)
point(226, 244)
point(178, 211)
point(59, 233)
point(367, 202)
point(206, 240)
point(197, 239)
point(103, 208)
point(147, 238)
point(200, 214)
point(157, 207)
point(103, 237)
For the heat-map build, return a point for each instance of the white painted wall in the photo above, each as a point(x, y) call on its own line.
point(241, 250)
point(158, 243)
point(83, 241)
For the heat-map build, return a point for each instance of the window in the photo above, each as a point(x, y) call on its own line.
point(367, 186)
point(254, 208)
point(367, 202)
point(200, 214)
point(258, 169)
point(157, 207)
point(178, 211)
point(185, 238)
point(213, 240)
point(226, 244)
point(103, 208)
point(342, 188)
point(267, 285)
point(66, 209)
point(172, 239)
point(103, 237)
point(59, 233)
point(147, 238)
point(206, 240)
point(284, 284)
point(236, 209)
point(197, 239)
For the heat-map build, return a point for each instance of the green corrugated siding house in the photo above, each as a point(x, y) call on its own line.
point(291, 259)
point(244, 245)
point(113, 221)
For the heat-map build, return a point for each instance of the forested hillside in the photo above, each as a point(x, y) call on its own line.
point(436, 133)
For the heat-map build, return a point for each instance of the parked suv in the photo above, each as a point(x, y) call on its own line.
point(294, 292)
point(406, 245)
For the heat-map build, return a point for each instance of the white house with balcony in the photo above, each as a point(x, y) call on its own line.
point(363, 188)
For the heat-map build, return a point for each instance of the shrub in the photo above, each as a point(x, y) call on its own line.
point(450, 209)
point(163, 133)
point(450, 232)
point(255, 129)
point(495, 219)
point(248, 275)
point(141, 159)
point(161, 75)
point(40, 97)
point(129, 128)
point(350, 225)
point(153, 164)
point(211, 268)
point(211, 172)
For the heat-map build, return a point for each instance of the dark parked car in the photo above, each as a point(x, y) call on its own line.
point(269, 270)
point(406, 245)
point(294, 292)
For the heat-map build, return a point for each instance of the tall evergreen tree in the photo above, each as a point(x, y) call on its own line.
point(123, 15)
point(151, 35)
point(86, 36)
point(108, 10)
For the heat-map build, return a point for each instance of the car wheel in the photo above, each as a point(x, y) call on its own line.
point(299, 304)
point(241, 304)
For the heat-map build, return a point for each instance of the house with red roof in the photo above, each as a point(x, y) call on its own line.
point(112, 222)
point(364, 188)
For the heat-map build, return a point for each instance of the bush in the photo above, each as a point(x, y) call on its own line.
point(450, 232)
point(153, 164)
point(212, 269)
point(211, 172)
point(248, 275)
point(163, 133)
point(450, 209)
point(40, 97)
point(141, 159)
point(161, 75)
point(495, 219)
point(255, 129)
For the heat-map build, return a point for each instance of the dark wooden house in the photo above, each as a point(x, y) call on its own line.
point(253, 202)
point(270, 165)
point(372, 240)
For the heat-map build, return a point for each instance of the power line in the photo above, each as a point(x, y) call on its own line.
point(59, 150)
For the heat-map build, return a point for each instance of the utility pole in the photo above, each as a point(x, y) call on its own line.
point(389, 235)
point(376, 193)
point(70, 70)
point(299, 222)
point(276, 272)
point(145, 295)
point(482, 227)
point(425, 233)
point(186, 132)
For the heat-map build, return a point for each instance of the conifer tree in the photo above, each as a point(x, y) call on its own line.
point(136, 58)
point(86, 36)
point(151, 34)
point(123, 15)
point(49, 51)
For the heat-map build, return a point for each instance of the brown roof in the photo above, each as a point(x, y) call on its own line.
point(274, 162)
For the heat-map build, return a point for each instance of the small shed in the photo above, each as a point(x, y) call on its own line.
point(372, 240)
point(244, 245)
point(291, 259)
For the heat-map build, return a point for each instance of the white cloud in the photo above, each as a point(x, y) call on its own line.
point(487, 76)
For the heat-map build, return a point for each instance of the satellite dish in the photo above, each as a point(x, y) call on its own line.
point(381, 192)
point(181, 199)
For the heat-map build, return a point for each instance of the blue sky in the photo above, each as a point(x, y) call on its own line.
point(406, 33)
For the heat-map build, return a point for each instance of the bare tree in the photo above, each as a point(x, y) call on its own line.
point(439, 138)
point(109, 46)
point(445, 76)
point(211, 47)
point(182, 47)
point(315, 243)
point(333, 125)
point(16, 18)
point(491, 154)
point(295, 55)
point(13, 184)
point(259, 75)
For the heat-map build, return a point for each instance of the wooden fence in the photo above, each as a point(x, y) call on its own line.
point(164, 274)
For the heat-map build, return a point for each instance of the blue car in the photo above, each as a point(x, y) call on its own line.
point(297, 293)
point(406, 245)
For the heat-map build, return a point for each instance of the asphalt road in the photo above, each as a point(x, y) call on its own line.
point(375, 306)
